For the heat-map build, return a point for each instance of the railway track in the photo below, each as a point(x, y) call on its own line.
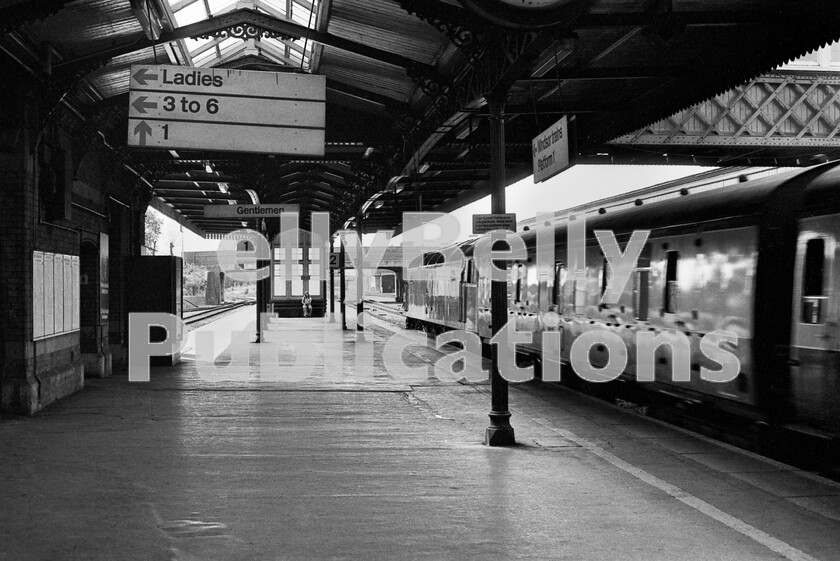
point(391, 312)
point(196, 316)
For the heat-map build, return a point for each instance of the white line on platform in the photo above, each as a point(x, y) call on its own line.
point(748, 530)
point(774, 544)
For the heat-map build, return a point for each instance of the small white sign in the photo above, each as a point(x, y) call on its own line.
point(483, 223)
point(245, 212)
point(334, 260)
point(550, 151)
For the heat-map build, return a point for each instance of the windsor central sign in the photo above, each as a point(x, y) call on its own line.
point(550, 151)
point(221, 109)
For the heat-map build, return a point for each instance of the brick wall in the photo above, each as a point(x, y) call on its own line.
point(40, 216)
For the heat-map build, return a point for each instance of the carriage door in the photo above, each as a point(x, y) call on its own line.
point(467, 296)
point(466, 291)
point(815, 345)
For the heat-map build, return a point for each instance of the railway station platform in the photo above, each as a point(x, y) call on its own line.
point(360, 464)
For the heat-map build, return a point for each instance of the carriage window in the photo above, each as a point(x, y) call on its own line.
point(559, 282)
point(532, 284)
point(813, 298)
point(518, 283)
point(670, 296)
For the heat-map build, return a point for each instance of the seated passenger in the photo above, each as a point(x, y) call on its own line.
point(307, 304)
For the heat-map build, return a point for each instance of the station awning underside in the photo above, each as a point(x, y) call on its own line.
point(407, 86)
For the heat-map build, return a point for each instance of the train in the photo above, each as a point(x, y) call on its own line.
point(760, 259)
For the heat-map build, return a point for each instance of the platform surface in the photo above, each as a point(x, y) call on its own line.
point(361, 464)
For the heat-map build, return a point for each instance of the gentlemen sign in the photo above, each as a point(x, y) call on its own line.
point(221, 109)
point(550, 151)
point(248, 211)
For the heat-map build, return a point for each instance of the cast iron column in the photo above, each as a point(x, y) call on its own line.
point(499, 433)
point(332, 282)
point(263, 287)
point(341, 287)
point(360, 289)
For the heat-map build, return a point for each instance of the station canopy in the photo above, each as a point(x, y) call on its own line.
point(407, 85)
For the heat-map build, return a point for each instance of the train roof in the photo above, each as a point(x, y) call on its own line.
point(739, 203)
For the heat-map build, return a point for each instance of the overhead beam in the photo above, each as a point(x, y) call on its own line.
point(211, 184)
point(323, 18)
point(179, 217)
point(637, 72)
point(410, 179)
point(593, 106)
point(183, 202)
point(193, 193)
point(510, 68)
point(366, 95)
point(337, 169)
point(772, 15)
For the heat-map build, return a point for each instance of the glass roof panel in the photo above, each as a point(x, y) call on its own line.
point(300, 17)
point(206, 58)
point(195, 44)
point(221, 6)
point(197, 11)
point(228, 45)
point(229, 42)
point(191, 14)
point(276, 5)
point(294, 53)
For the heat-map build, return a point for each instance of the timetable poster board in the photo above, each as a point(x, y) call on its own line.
point(55, 294)
point(38, 328)
point(103, 277)
point(48, 301)
point(67, 292)
point(77, 308)
point(58, 293)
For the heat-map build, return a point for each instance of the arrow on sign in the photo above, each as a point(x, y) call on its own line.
point(142, 75)
point(142, 129)
point(140, 104)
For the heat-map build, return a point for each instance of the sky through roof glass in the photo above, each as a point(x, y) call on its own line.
point(213, 52)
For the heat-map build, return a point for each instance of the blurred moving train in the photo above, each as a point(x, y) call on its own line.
point(761, 259)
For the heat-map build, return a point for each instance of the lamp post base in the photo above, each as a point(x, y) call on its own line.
point(499, 433)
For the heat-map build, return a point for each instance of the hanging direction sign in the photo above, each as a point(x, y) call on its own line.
point(232, 110)
point(248, 211)
point(550, 151)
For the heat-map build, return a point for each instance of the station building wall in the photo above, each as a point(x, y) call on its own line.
point(69, 212)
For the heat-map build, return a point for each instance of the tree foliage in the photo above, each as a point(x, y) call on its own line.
point(195, 279)
point(153, 228)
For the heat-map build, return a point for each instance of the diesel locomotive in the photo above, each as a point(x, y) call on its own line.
point(760, 259)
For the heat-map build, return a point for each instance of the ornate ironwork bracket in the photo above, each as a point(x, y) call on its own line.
point(428, 84)
point(246, 31)
point(403, 119)
point(446, 19)
point(496, 60)
point(365, 175)
point(158, 170)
